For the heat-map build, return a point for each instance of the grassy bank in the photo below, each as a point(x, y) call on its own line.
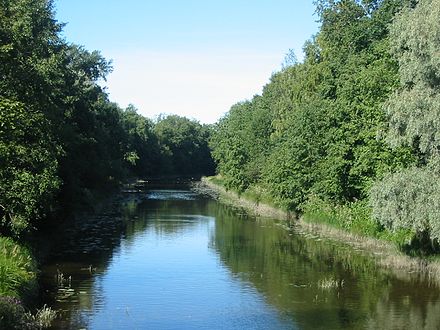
point(17, 270)
point(18, 286)
point(351, 224)
point(354, 218)
point(254, 200)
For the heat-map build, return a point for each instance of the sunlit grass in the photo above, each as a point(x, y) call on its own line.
point(18, 282)
point(44, 317)
point(354, 218)
point(255, 200)
point(17, 269)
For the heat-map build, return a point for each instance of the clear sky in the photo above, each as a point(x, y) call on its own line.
point(194, 58)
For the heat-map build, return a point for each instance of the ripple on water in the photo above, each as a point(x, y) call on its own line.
point(171, 195)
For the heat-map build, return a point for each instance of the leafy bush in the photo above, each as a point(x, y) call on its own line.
point(18, 280)
point(354, 217)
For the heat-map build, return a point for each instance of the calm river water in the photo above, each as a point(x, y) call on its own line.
point(171, 259)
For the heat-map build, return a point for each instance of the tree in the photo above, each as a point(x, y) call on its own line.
point(320, 117)
point(184, 146)
point(409, 198)
point(141, 150)
point(241, 143)
point(28, 167)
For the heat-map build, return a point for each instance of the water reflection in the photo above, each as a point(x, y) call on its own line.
point(168, 259)
point(323, 284)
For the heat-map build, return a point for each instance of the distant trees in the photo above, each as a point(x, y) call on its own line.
point(140, 145)
point(240, 141)
point(183, 146)
point(60, 136)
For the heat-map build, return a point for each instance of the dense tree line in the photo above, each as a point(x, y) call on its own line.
point(60, 137)
point(355, 123)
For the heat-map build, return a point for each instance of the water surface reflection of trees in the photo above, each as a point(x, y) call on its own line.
point(317, 283)
point(322, 284)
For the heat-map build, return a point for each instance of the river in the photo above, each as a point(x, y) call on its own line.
point(168, 258)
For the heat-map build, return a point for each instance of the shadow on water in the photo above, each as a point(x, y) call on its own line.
point(249, 273)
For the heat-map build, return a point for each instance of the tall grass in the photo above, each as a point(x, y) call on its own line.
point(17, 269)
point(355, 217)
point(253, 193)
point(18, 282)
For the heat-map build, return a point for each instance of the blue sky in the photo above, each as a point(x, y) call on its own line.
point(194, 58)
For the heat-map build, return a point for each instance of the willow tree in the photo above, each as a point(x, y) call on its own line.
point(411, 198)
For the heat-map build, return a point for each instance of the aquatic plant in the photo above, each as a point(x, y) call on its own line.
point(330, 283)
point(13, 315)
point(61, 280)
point(44, 317)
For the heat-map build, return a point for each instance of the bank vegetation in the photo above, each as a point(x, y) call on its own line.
point(349, 135)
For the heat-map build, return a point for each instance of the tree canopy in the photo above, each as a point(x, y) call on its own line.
point(60, 136)
point(354, 123)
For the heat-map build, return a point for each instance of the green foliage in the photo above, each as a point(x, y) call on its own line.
point(28, 166)
point(320, 118)
point(29, 50)
point(17, 270)
point(414, 109)
point(141, 149)
point(18, 280)
point(241, 142)
point(408, 199)
point(292, 166)
point(355, 217)
point(184, 146)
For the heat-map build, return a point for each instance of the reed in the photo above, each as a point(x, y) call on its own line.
point(330, 283)
point(18, 282)
point(17, 269)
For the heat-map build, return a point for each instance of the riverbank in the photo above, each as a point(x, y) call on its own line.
point(18, 288)
point(385, 253)
point(20, 261)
